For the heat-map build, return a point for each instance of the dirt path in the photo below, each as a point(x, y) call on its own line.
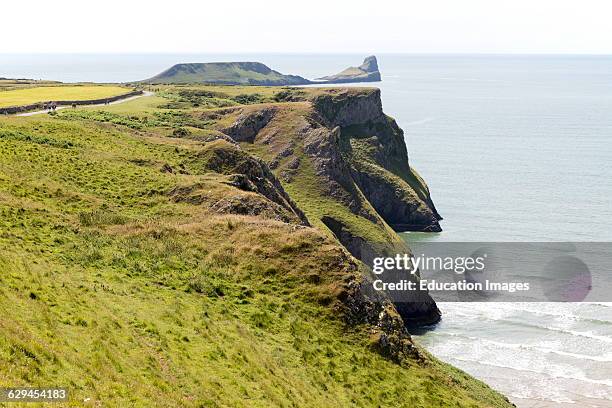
point(145, 93)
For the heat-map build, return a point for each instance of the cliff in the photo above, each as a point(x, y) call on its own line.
point(345, 164)
point(209, 247)
point(374, 145)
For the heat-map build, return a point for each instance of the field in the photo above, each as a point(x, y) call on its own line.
point(8, 84)
point(28, 96)
point(120, 281)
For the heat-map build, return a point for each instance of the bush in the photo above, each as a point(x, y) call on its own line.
point(181, 132)
point(247, 99)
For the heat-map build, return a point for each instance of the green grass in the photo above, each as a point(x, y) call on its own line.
point(26, 96)
point(239, 73)
point(127, 297)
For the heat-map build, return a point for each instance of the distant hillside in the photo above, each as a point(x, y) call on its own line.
point(256, 73)
point(227, 73)
point(366, 72)
point(14, 83)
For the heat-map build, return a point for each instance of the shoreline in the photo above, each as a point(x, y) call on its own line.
point(580, 401)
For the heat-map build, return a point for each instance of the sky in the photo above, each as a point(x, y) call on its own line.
point(314, 26)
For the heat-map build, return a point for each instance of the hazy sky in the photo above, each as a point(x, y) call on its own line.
point(318, 26)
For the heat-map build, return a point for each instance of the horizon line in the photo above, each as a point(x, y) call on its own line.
point(326, 53)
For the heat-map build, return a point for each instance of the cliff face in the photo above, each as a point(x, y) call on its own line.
point(209, 247)
point(345, 165)
point(374, 146)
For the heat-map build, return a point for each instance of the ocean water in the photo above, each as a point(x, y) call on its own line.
point(514, 148)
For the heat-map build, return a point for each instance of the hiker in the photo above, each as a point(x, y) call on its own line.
point(74, 106)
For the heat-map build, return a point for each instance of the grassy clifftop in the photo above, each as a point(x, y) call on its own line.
point(150, 259)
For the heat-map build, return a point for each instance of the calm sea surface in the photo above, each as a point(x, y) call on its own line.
point(514, 148)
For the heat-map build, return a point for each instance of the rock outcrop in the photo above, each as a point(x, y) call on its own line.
point(339, 107)
point(366, 72)
point(374, 147)
point(248, 124)
point(249, 175)
point(345, 165)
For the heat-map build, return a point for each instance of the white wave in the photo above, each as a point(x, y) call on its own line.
point(581, 378)
point(606, 358)
point(508, 313)
point(587, 334)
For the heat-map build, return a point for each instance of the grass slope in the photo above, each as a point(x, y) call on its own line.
point(26, 96)
point(238, 73)
point(112, 288)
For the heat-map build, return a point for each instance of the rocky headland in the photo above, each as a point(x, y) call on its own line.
point(256, 73)
point(219, 239)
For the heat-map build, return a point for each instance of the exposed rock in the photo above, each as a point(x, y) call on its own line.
point(389, 335)
point(395, 201)
point(366, 72)
point(254, 205)
point(322, 145)
point(360, 161)
point(249, 173)
point(248, 124)
point(369, 64)
point(415, 308)
point(361, 305)
point(345, 107)
point(379, 162)
point(294, 163)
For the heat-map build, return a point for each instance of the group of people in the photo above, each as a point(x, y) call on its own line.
point(50, 106)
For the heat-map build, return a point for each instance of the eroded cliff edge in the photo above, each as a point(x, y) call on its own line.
point(197, 234)
point(345, 165)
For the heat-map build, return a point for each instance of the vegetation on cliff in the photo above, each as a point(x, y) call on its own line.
point(256, 73)
point(229, 73)
point(184, 250)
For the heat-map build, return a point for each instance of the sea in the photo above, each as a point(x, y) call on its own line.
point(515, 148)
